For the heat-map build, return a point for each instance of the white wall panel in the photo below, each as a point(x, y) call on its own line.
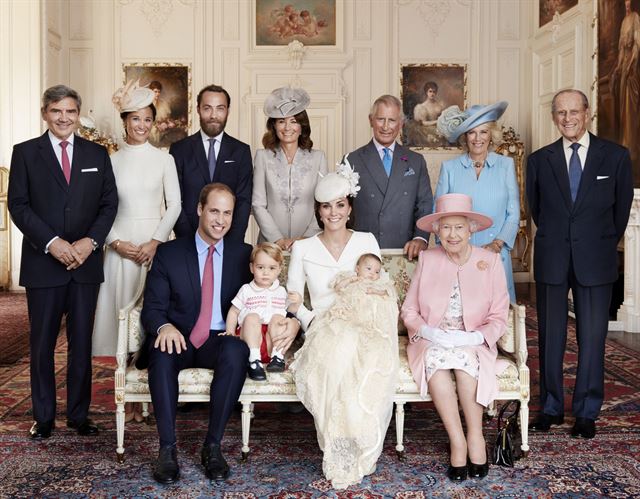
point(79, 12)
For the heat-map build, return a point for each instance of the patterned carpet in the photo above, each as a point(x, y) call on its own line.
point(14, 328)
point(285, 460)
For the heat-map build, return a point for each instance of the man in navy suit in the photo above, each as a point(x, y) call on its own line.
point(172, 310)
point(211, 155)
point(580, 191)
point(63, 198)
point(395, 190)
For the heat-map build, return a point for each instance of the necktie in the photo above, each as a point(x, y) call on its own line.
point(386, 160)
point(66, 164)
point(575, 171)
point(200, 332)
point(212, 158)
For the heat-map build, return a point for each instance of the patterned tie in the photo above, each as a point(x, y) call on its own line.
point(200, 332)
point(575, 171)
point(212, 158)
point(386, 160)
point(66, 164)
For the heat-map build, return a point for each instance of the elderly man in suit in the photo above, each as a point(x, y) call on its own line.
point(395, 190)
point(63, 198)
point(580, 191)
point(211, 155)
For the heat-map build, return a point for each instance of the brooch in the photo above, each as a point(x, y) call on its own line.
point(482, 265)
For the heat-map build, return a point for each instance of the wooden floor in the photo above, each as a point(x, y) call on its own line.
point(526, 292)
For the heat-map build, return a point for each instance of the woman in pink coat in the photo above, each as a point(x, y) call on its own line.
point(455, 311)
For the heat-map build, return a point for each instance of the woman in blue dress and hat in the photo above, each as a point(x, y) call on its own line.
point(487, 177)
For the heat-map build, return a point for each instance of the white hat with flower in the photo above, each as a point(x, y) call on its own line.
point(339, 184)
point(132, 97)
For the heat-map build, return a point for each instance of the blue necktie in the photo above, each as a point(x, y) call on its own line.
point(575, 171)
point(386, 160)
point(212, 158)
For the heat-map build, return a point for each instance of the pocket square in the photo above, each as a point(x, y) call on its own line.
point(602, 177)
point(229, 160)
point(86, 170)
point(408, 172)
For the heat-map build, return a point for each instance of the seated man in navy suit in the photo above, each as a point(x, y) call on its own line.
point(188, 294)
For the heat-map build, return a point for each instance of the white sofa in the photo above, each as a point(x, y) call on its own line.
point(131, 384)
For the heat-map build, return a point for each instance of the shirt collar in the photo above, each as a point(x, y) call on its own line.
point(55, 141)
point(202, 246)
point(205, 137)
point(584, 141)
point(491, 160)
point(273, 287)
point(380, 147)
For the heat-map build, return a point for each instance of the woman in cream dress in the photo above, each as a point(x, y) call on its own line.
point(286, 171)
point(148, 206)
point(345, 375)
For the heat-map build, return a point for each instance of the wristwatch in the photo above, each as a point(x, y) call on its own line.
point(94, 243)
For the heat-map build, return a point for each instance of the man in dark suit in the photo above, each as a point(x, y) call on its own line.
point(395, 190)
point(188, 294)
point(211, 155)
point(580, 191)
point(63, 198)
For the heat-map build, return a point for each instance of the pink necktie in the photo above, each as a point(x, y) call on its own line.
point(66, 165)
point(200, 332)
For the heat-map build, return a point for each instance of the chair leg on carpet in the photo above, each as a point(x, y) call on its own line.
point(246, 428)
point(524, 426)
point(400, 429)
point(120, 431)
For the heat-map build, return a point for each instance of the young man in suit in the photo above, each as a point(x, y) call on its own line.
point(63, 198)
point(580, 191)
point(395, 190)
point(188, 294)
point(211, 155)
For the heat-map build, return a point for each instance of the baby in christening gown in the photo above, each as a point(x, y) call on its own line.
point(349, 377)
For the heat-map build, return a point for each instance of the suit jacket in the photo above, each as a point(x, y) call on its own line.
point(585, 232)
point(43, 205)
point(233, 168)
point(173, 291)
point(485, 308)
point(389, 207)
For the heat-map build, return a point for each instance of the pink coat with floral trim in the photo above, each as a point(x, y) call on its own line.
point(485, 308)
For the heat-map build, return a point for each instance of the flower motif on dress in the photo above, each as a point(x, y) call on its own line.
point(482, 265)
point(449, 120)
point(344, 169)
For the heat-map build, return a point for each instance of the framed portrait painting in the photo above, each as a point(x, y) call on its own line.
point(172, 85)
point(279, 22)
point(426, 90)
point(618, 100)
point(548, 8)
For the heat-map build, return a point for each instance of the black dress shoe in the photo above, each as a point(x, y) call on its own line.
point(215, 466)
point(256, 371)
point(457, 473)
point(478, 470)
point(85, 428)
point(166, 469)
point(39, 431)
point(584, 427)
point(544, 422)
point(276, 365)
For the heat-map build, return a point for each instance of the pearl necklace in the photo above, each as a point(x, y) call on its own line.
point(466, 258)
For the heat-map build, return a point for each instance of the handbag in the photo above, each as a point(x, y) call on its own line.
point(507, 447)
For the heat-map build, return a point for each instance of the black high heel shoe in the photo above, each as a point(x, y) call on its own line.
point(478, 470)
point(457, 473)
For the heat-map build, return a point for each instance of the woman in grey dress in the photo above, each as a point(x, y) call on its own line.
point(286, 171)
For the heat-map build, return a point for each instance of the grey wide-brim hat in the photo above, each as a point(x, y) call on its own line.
point(453, 122)
point(286, 101)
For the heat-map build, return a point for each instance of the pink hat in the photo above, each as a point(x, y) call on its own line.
point(451, 205)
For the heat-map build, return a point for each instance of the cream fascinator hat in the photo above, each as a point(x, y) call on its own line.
point(339, 184)
point(450, 205)
point(132, 97)
point(286, 101)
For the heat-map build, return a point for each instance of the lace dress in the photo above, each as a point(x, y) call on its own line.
point(462, 358)
point(345, 375)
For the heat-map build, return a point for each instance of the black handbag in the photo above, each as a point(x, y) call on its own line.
point(507, 447)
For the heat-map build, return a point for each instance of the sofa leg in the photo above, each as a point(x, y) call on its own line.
point(120, 432)
point(524, 427)
point(400, 430)
point(246, 428)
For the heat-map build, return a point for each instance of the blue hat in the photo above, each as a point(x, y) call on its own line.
point(453, 122)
